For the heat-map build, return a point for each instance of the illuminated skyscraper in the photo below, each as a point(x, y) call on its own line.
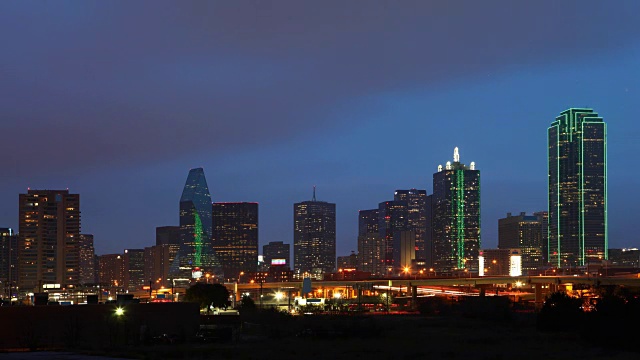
point(577, 153)
point(195, 256)
point(235, 237)
point(525, 233)
point(416, 216)
point(277, 250)
point(8, 260)
point(392, 221)
point(134, 267)
point(87, 259)
point(49, 231)
point(371, 246)
point(314, 237)
point(455, 217)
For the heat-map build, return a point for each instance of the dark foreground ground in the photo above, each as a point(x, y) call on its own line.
point(383, 337)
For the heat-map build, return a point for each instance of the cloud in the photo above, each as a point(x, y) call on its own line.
point(121, 82)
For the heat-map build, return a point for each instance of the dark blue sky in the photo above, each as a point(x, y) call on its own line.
point(117, 100)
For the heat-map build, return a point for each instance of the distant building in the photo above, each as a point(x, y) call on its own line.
point(49, 231)
point(235, 237)
point(166, 235)
point(404, 251)
point(277, 250)
point(629, 258)
point(87, 259)
point(111, 271)
point(416, 217)
point(392, 221)
point(157, 263)
point(524, 232)
point(371, 246)
point(455, 217)
point(134, 276)
point(577, 165)
point(8, 260)
point(314, 237)
point(347, 261)
point(499, 262)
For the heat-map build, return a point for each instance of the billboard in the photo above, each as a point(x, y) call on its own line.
point(278, 262)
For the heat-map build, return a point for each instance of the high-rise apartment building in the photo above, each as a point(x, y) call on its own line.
point(526, 233)
point(455, 217)
point(134, 276)
point(371, 246)
point(49, 231)
point(8, 260)
point(195, 257)
point(235, 237)
point(87, 259)
point(577, 154)
point(314, 237)
point(277, 250)
point(392, 221)
point(416, 217)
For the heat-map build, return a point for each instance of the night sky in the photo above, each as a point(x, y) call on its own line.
point(117, 100)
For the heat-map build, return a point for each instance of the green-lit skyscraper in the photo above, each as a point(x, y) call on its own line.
point(195, 257)
point(577, 146)
point(455, 217)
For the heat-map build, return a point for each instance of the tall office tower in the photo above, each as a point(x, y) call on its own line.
point(8, 260)
point(277, 250)
point(235, 237)
point(49, 231)
point(111, 271)
point(157, 263)
point(167, 235)
point(523, 232)
point(404, 251)
point(134, 276)
point(416, 216)
point(371, 246)
point(87, 259)
point(314, 237)
point(195, 257)
point(392, 221)
point(577, 154)
point(455, 217)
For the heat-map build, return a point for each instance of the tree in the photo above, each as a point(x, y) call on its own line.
point(206, 295)
point(247, 303)
point(560, 312)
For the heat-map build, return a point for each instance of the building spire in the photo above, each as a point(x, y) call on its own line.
point(456, 155)
point(314, 193)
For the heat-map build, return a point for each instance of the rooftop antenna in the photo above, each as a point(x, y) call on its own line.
point(456, 155)
point(314, 193)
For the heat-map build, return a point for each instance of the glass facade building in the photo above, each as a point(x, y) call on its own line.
point(314, 238)
point(392, 221)
point(235, 237)
point(195, 257)
point(416, 217)
point(455, 217)
point(371, 246)
point(577, 154)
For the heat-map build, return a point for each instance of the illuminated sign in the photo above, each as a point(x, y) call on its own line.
point(278, 262)
point(196, 273)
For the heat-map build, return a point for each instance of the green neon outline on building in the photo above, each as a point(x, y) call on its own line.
point(197, 236)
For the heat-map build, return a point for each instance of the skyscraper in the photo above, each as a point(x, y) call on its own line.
point(577, 153)
point(8, 260)
point(371, 246)
point(167, 235)
point(314, 237)
point(235, 237)
point(455, 216)
point(134, 276)
point(392, 221)
point(195, 256)
point(87, 259)
point(526, 233)
point(416, 216)
point(111, 272)
point(49, 231)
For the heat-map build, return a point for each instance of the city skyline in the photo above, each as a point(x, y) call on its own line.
point(270, 111)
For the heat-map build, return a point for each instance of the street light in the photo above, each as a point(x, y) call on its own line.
point(119, 311)
point(406, 270)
